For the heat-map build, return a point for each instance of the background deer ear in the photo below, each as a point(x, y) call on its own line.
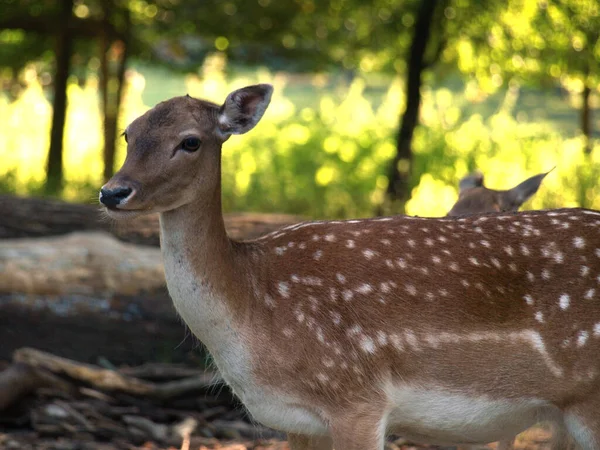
point(244, 108)
point(470, 181)
point(518, 195)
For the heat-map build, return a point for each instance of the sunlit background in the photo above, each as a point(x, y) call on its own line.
point(510, 88)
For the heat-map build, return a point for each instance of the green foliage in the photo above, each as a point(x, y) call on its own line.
point(319, 153)
point(536, 41)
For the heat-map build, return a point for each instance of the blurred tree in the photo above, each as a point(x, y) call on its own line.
point(537, 43)
point(398, 190)
point(75, 27)
point(62, 52)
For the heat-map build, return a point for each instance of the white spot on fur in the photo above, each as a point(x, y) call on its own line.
point(341, 278)
point(369, 254)
point(436, 259)
point(327, 362)
point(546, 275)
point(280, 250)
point(411, 339)
point(330, 238)
point(582, 338)
point(333, 294)
point(590, 294)
point(411, 289)
point(364, 289)
point(320, 336)
point(528, 299)
point(318, 254)
point(269, 301)
point(579, 242)
point(354, 330)
point(564, 301)
point(401, 263)
point(539, 316)
point(473, 261)
point(367, 344)
point(311, 281)
point(597, 329)
point(397, 342)
point(284, 289)
point(385, 287)
point(386, 242)
point(350, 243)
point(348, 295)
point(584, 270)
point(322, 377)
point(525, 250)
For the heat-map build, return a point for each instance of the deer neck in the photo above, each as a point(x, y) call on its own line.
point(200, 271)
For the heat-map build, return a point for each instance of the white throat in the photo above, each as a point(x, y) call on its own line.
point(202, 309)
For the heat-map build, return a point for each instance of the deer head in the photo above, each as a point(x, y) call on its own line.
point(174, 151)
point(475, 198)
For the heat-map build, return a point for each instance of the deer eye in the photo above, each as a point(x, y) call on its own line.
point(190, 144)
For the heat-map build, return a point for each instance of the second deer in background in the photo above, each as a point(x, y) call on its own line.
point(475, 198)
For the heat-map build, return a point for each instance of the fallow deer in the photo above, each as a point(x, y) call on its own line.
point(474, 197)
point(447, 330)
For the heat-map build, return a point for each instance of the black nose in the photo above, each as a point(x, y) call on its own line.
point(113, 197)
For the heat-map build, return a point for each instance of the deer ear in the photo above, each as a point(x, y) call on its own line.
point(244, 108)
point(518, 195)
point(470, 181)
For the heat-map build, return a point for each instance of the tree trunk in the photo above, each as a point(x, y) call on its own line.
point(104, 77)
point(398, 190)
point(54, 168)
point(112, 113)
point(586, 119)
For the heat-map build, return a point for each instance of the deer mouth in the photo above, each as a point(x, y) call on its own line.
point(121, 213)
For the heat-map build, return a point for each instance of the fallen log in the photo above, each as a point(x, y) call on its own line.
point(82, 263)
point(113, 381)
point(20, 379)
point(26, 217)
